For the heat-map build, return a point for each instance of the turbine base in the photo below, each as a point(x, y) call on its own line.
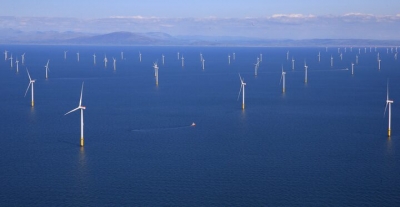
point(82, 141)
point(242, 106)
point(32, 103)
point(389, 132)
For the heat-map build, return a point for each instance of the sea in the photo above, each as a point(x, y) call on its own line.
point(320, 143)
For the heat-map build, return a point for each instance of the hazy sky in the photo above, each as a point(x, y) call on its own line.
point(193, 8)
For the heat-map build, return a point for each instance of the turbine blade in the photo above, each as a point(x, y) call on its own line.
point(27, 88)
point(71, 111)
point(241, 86)
point(384, 113)
point(387, 90)
point(28, 74)
point(80, 100)
point(280, 79)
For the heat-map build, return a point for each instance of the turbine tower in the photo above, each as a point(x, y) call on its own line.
point(5, 55)
point(388, 102)
point(105, 61)
point(47, 68)
point(319, 56)
point(243, 84)
point(229, 59)
point(11, 60)
point(65, 54)
point(379, 64)
point(202, 62)
point(292, 63)
point(283, 81)
point(115, 64)
point(352, 68)
point(305, 69)
point(94, 59)
point(31, 82)
point(77, 56)
point(23, 59)
point(17, 64)
point(80, 107)
point(331, 61)
point(155, 66)
point(122, 55)
point(162, 57)
point(183, 61)
point(140, 56)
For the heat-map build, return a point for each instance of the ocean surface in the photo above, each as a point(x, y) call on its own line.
point(321, 143)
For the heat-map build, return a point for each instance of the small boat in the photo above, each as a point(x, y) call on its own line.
point(193, 124)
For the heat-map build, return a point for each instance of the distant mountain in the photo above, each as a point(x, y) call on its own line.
point(10, 36)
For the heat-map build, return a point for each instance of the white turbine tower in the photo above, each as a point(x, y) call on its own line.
point(65, 54)
point(305, 70)
point(352, 68)
point(178, 55)
point(183, 61)
point(140, 56)
point(47, 69)
point(379, 64)
point(5, 55)
point(122, 55)
point(234, 56)
point(77, 56)
point(80, 107)
point(341, 56)
point(23, 59)
point(17, 64)
point(155, 66)
point(287, 55)
point(357, 59)
point(202, 63)
point(283, 81)
point(31, 82)
point(105, 61)
point(292, 63)
point(331, 61)
point(94, 59)
point(229, 59)
point(115, 63)
point(162, 57)
point(243, 84)
point(319, 56)
point(11, 60)
point(388, 102)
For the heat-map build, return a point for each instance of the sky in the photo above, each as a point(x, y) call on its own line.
point(194, 8)
point(270, 19)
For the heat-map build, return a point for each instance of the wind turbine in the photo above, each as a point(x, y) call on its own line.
point(260, 57)
point(243, 84)
point(379, 64)
point(47, 68)
point(11, 60)
point(287, 55)
point(331, 61)
point(352, 68)
point(5, 55)
point(105, 61)
point(341, 56)
point(292, 63)
point(319, 56)
point(115, 63)
point(256, 68)
point(359, 50)
point(23, 59)
point(122, 55)
point(94, 59)
point(155, 66)
point(163, 57)
point(229, 59)
point(140, 56)
point(80, 107)
point(357, 59)
point(77, 56)
point(65, 54)
point(31, 82)
point(388, 102)
point(395, 56)
point(305, 69)
point(178, 55)
point(234, 56)
point(183, 61)
point(17, 64)
point(202, 62)
point(283, 81)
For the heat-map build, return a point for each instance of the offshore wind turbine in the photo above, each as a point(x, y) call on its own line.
point(292, 63)
point(357, 59)
point(94, 59)
point(341, 56)
point(5, 55)
point(162, 57)
point(243, 84)
point(283, 81)
point(229, 59)
point(11, 60)
point(140, 56)
point(352, 68)
point(379, 64)
point(31, 82)
point(178, 55)
point(395, 56)
point(115, 63)
point(305, 70)
point(359, 50)
point(77, 56)
point(202, 63)
point(80, 107)
point(331, 61)
point(17, 64)
point(256, 68)
point(23, 59)
point(122, 55)
point(287, 55)
point(234, 56)
point(65, 54)
point(105, 61)
point(155, 66)
point(183, 61)
point(388, 102)
point(47, 68)
point(319, 56)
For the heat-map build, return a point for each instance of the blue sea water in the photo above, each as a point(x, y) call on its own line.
point(320, 143)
